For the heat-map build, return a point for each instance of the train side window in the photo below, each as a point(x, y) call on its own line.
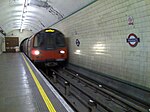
point(35, 41)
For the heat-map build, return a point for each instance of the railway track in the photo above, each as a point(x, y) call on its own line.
point(86, 95)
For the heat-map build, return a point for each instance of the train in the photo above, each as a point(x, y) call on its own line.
point(47, 47)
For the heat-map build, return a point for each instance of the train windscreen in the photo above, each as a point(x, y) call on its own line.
point(49, 40)
point(54, 40)
point(38, 40)
point(60, 40)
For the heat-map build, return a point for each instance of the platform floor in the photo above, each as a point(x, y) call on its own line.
point(20, 92)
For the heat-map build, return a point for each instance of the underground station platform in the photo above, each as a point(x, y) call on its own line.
point(24, 89)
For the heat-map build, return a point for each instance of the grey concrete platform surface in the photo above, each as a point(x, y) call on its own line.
point(18, 90)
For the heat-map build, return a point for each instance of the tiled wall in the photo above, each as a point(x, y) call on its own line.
point(102, 29)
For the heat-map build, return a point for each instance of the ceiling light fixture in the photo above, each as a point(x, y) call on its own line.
point(26, 3)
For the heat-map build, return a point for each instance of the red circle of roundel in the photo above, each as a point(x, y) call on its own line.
point(133, 40)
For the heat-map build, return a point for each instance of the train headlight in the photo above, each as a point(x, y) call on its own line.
point(35, 52)
point(62, 52)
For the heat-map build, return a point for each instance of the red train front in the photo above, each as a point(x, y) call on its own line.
point(47, 46)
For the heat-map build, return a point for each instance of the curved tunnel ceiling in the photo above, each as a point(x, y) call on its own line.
point(35, 15)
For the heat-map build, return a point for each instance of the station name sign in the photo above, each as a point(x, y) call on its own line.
point(133, 40)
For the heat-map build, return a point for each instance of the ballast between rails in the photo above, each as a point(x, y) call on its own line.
point(102, 88)
point(96, 95)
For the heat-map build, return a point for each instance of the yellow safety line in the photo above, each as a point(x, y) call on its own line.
point(41, 90)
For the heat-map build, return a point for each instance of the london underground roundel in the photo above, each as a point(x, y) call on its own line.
point(77, 42)
point(133, 40)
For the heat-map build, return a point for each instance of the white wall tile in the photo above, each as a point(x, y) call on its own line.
point(102, 29)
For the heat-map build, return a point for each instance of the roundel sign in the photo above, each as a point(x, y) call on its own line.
point(133, 40)
point(77, 42)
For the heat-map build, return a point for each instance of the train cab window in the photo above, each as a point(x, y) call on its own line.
point(38, 40)
point(60, 40)
point(50, 42)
